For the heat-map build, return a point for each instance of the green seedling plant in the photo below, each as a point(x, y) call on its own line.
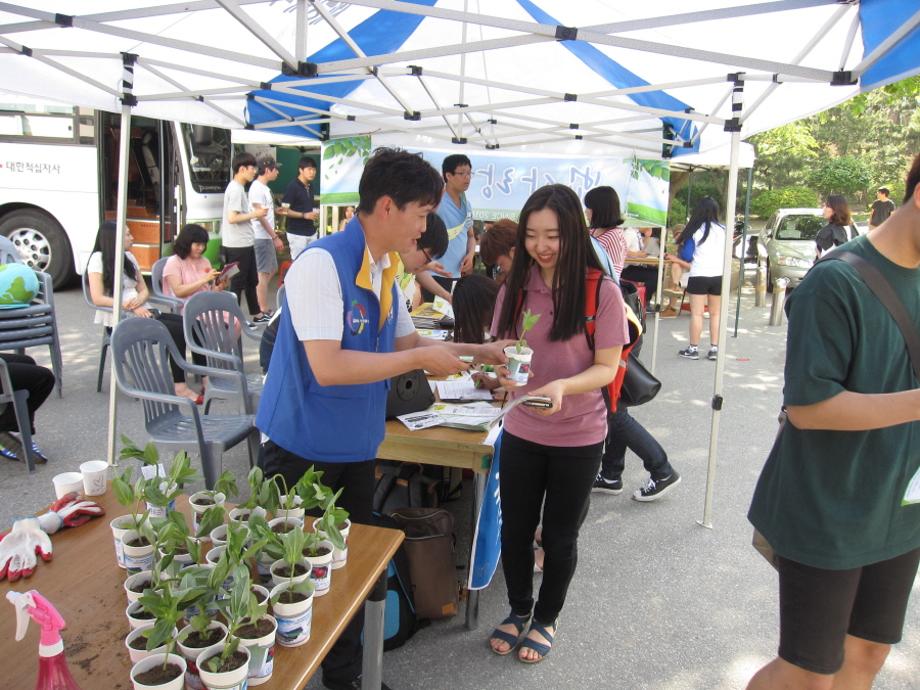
point(148, 455)
point(286, 497)
point(167, 604)
point(331, 521)
point(528, 321)
point(162, 493)
point(263, 493)
point(239, 609)
point(310, 489)
point(292, 545)
point(270, 541)
point(131, 496)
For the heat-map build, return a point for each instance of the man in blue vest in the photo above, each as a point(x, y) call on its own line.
point(343, 335)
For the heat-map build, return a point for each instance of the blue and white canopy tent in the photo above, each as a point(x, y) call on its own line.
point(646, 79)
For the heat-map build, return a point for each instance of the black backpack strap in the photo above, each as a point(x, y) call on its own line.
point(881, 288)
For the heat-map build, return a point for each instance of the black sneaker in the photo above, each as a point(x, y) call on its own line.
point(655, 489)
point(608, 486)
point(689, 352)
point(264, 317)
point(713, 354)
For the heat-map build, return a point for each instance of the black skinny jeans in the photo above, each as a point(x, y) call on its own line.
point(343, 662)
point(25, 374)
point(248, 277)
point(623, 432)
point(559, 480)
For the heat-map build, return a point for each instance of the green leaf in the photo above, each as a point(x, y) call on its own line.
point(151, 454)
point(226, 484)
point(210, 519)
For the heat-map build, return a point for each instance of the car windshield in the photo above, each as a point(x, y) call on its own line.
point(208, 150)
point(799, 227)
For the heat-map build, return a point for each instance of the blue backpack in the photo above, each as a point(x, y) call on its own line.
point(399, 619)
point(604, 259)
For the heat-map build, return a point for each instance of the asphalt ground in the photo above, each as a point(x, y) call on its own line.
point(658, 601)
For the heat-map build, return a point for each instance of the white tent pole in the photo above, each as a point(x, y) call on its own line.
point(121, 214)
point(661, 243)
point(735, 124)
point(460, 101)
point(300, 30)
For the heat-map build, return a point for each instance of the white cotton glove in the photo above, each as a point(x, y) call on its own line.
point(20, 547)
point(68, 512)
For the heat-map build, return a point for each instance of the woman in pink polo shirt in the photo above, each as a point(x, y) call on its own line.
point(549, 458)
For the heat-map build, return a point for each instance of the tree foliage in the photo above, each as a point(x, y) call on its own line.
point(766, 203)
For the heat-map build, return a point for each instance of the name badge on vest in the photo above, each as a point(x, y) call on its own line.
point(356, 319)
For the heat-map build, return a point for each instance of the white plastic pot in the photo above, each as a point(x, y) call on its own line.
point(229, 680)
point(279, 579)
point(219, 535)
point(519, 364)
point(294, 620)
point(138, 654)
point(137, 558)
point(192, 679)
point(339, 556)
point(134, 608)
point(198, 510)
point(295, 512)
point(240, 515)
point(156, 659)
point(120, 525)
point(261, 654)
point(321, 569)
point(294, 522)
point(144, 575)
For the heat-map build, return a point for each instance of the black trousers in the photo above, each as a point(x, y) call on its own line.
point(25, 374)
point(343, 662)
point(558, 479)
point(248, 277)
point(446, 283)
point(647, 275)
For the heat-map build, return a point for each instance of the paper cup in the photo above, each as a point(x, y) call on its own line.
point(94, 477)
point(519, 364)
point(67, 482)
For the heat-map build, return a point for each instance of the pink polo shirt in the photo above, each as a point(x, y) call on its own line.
point(582, 421)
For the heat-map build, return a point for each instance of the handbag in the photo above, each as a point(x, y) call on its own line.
point(687, 250)
point(409, 393)
point(881, 288)
point(639, 385)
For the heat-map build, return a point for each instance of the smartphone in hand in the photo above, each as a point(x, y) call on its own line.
point(539, 401)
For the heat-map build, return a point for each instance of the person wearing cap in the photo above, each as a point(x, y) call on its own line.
point(266, 242)
point(298, 206)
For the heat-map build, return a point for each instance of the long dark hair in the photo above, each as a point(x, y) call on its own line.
point(105, 243)
point(605, 207)
point(190, 234)
point(838, 204)
point(705, 214)
point(473, 301)
point(575, 255)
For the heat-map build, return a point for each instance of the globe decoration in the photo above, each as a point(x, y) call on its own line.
point(18, 286)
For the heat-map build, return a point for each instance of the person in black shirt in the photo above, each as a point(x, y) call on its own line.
point(298, 206)
point(837, 213)
point(882, 207)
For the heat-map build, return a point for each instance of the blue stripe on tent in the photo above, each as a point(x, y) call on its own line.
point(620, 77)
point(383, 32)
point(879, 19)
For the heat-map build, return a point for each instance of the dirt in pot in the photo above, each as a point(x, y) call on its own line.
point(159, 675)
point(289, 597)
point(282, 528)
point(316, 553)
point(253, 631)
point(139, 643)
point(258, 595)
point(138, 542)
point(139, 587)
point(203, 501)
point(285, 571)
point(236, 660)
point(196, 640)
point(142, 615)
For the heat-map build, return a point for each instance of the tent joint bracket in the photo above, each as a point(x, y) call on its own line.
point(566, 33)
point(304, 69)
point(65, 20)
point(844, 77)
point(717, 401)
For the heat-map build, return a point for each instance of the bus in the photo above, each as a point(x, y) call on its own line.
point(59, 179)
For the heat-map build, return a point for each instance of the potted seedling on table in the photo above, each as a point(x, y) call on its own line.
point(134, 552)
point(161, 493)
point(212, 499)
point(519, 355)
point(263, 497)
point(289, 510)
point(334, 526)
point(292, 598)
point(227, 665)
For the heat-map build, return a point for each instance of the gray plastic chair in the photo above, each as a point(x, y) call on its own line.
point(17, 398)
point(35, 326)
point(156, 287)
point(9, 254)
point(140, 354)
point(279, 298)
point(213, 322)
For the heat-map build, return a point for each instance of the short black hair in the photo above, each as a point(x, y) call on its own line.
point(404, 177)
point(452, 162)
point(243, 160)
point(473, 301)
point(434, 239)
point(605, 207)
point(913, 179)
point(266, 163)
point(306, 162)
point(190, 234)
point(884, 190)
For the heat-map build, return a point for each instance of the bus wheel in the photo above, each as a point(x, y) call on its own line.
point(41, 243)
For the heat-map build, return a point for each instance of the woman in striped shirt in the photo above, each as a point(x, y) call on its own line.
point(602, 208)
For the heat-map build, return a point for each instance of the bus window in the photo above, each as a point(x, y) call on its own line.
point(44, 123)
point(208, 151)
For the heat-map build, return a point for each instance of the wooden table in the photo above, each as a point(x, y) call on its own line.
point(85, 584)
point(441, 445)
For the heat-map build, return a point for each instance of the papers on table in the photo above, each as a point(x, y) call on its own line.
point(475, 416)
point(433, 333)
point(913, 490)
point(427, 317)
point(462, 389)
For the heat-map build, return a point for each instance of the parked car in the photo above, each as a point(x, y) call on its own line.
point(787, 243)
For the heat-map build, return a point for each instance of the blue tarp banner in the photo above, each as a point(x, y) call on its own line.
point(487, 539)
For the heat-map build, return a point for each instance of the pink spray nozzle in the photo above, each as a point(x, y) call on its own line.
point(41, 611)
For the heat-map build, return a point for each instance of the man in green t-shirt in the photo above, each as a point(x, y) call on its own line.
point(836, 498)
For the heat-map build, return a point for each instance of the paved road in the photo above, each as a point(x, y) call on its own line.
point(658, 601)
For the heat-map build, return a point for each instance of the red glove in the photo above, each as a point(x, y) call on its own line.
point(19, 548)
point(69, 512)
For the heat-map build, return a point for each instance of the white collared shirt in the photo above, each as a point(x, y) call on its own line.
point(314, 295)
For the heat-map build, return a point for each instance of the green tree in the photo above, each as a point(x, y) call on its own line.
point(785, 154)
point(847, 175)
point(765, 203)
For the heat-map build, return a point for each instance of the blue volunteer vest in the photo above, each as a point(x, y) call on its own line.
point(333, 423)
